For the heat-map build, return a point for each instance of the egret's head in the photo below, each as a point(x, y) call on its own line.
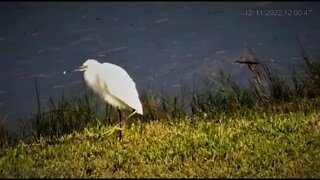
point(89, 63)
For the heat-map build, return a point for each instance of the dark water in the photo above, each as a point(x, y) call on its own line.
point(162, 44)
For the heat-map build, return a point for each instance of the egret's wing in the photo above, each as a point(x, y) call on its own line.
point(120, 85)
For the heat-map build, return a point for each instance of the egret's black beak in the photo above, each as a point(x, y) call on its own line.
point(81, 68)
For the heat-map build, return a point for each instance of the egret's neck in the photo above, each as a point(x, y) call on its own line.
point(90, 76)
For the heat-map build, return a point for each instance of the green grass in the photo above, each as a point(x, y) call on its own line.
point(270, 141)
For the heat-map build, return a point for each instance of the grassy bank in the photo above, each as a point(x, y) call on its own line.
point(261, 142)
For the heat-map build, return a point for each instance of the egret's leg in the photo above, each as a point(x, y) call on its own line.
point(107, 113)
point(120, 132)
point(109, 132)
point(133, 112)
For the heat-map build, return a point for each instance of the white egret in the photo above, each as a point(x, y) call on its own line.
point(113, 84)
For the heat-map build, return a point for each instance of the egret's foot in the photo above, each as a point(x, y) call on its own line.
point(88, 132)
point(111, 131)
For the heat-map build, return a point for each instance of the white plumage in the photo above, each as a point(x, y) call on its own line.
point(113, 84)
